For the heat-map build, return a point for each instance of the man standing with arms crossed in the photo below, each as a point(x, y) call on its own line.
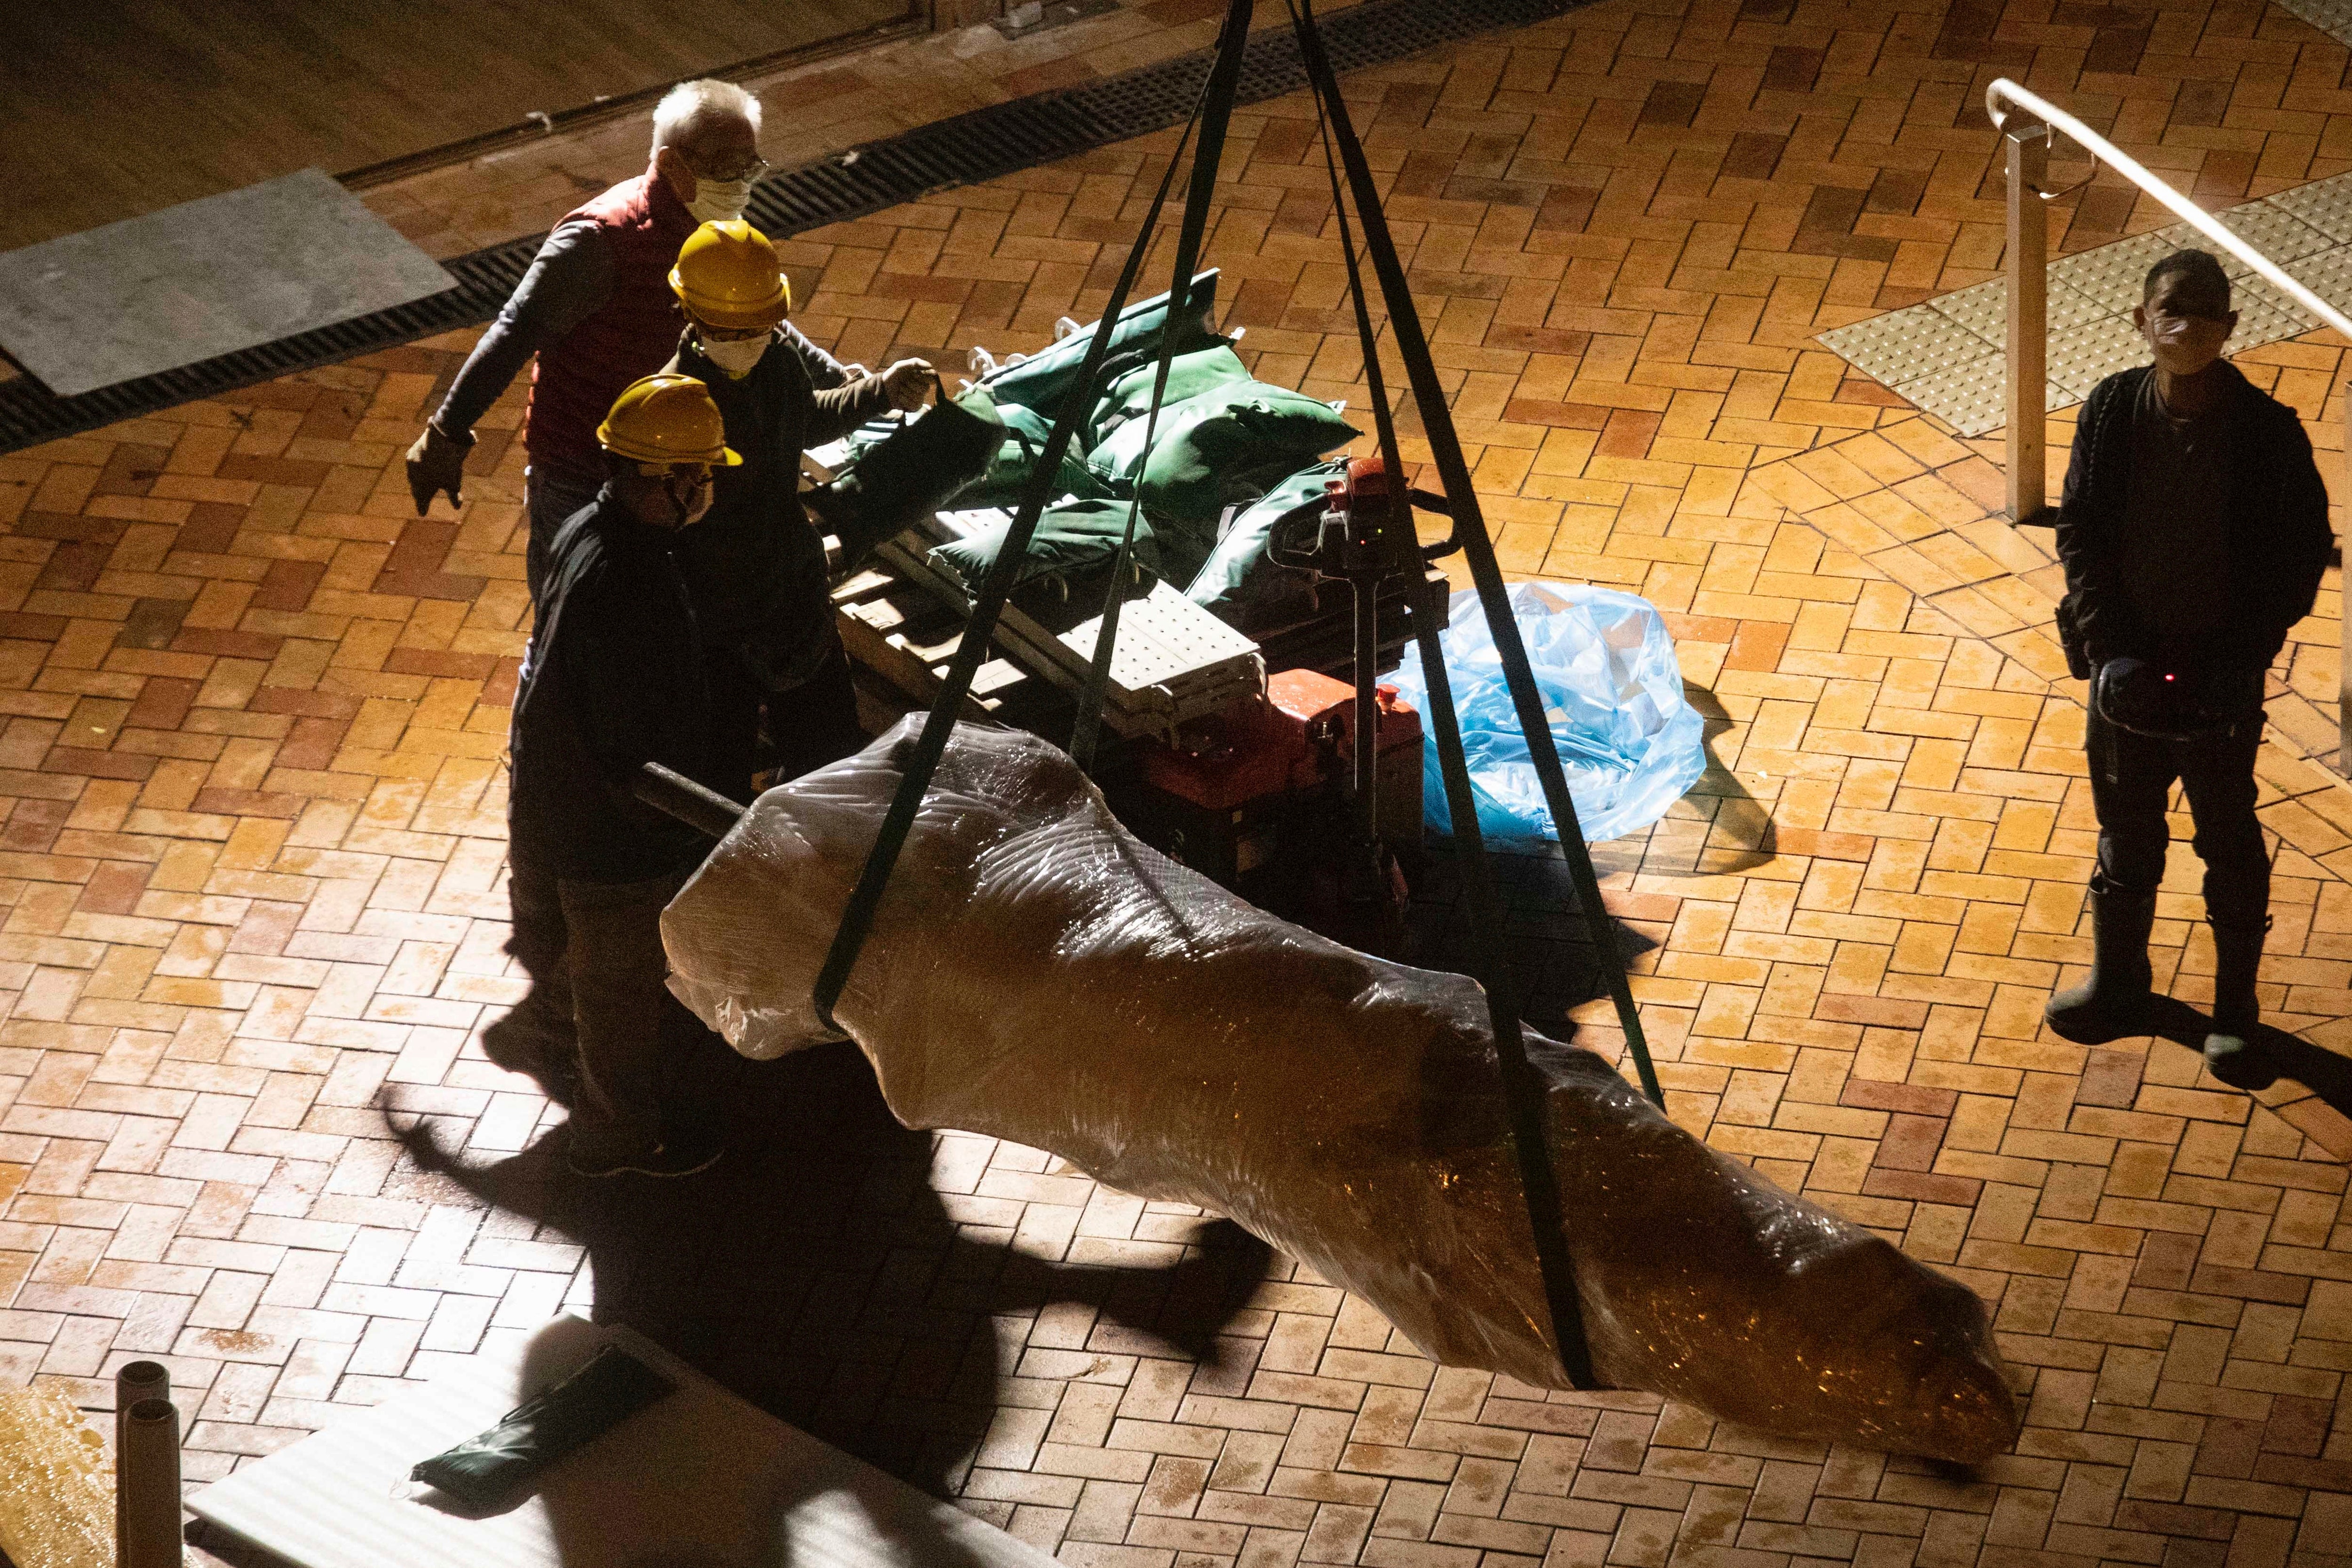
point(596, 307)
point(2194, 532)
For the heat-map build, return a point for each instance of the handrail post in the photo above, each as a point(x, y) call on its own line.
point(2344, 627)
point(2028, 148)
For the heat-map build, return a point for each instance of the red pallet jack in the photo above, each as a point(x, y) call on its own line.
point(1356, 891)
point(1298, 802)
point(1237, 799)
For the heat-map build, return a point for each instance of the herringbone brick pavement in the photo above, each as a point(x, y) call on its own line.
point(251, 868)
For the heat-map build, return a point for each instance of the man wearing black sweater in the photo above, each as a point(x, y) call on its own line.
point(2194, 531)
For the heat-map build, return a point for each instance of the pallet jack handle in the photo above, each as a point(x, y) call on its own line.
point(673, 794)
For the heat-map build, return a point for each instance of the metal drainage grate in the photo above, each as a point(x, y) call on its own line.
point(963, 150)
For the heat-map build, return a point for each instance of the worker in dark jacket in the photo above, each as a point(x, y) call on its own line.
point(755, 568)
point(2194, 531)
point(617, 682)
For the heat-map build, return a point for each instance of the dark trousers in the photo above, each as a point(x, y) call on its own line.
point(551, 498)
point(2131, 781)
point(594, 952)
point(733, 746)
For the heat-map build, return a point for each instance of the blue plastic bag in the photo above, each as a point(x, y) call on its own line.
point(1605, 668)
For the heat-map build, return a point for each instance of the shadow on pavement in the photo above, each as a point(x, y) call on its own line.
point(816, 1271)
point(1544, 937)
point(2273, 1050)
point(1741, 829)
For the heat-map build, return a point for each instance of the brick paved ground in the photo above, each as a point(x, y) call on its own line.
point(253, 854)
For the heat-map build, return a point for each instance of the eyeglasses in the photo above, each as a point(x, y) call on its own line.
point(750, 171)
point(695, 473)
point(732, 334)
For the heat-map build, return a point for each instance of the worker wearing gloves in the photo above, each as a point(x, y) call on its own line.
point(2194, 531)
point(596, 308)
point(617, 682)
point(754, 566)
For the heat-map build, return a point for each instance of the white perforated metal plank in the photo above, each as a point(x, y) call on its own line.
point(1166, 641)
point(1175, 661)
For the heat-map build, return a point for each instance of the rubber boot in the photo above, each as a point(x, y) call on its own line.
point(2112, 1003)
point(2232, 1051)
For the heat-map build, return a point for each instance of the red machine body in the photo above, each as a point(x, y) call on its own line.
point(1222, 809)
point(1362, 500)
point(1281, 776)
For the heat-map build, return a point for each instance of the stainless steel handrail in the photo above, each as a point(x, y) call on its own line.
point(2051, 117)
point(2027, 146)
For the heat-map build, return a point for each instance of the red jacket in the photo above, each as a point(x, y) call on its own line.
point(632, 334)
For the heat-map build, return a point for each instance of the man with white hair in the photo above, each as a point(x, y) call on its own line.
point(596, 307)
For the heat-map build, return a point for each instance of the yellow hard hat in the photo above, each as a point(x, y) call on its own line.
point(666, 418)
point(727, 275)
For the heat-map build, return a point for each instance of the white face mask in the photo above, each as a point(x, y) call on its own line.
point(736, 358)
point(718, 201)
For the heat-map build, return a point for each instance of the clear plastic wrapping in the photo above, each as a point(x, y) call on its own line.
point(1605, 671)
point(1036, 973)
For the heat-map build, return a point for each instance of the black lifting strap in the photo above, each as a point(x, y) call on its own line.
point(972, 649)
point(1470, 529)
point(1215, 112)
point(1523, 1092)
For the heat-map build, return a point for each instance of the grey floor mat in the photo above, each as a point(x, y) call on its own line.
point(203, 278)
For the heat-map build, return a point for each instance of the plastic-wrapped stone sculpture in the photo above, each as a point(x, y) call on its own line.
point(1037, 974)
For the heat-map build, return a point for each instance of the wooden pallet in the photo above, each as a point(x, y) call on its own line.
point(903, 636)
point(902, 621)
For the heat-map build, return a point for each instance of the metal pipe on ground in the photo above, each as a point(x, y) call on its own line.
point(147, 1476)
point(134, 1381)
point(673, 794)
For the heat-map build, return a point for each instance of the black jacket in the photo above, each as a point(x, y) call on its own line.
point(754, 566)
point(2279, 541)
point(615, 680)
